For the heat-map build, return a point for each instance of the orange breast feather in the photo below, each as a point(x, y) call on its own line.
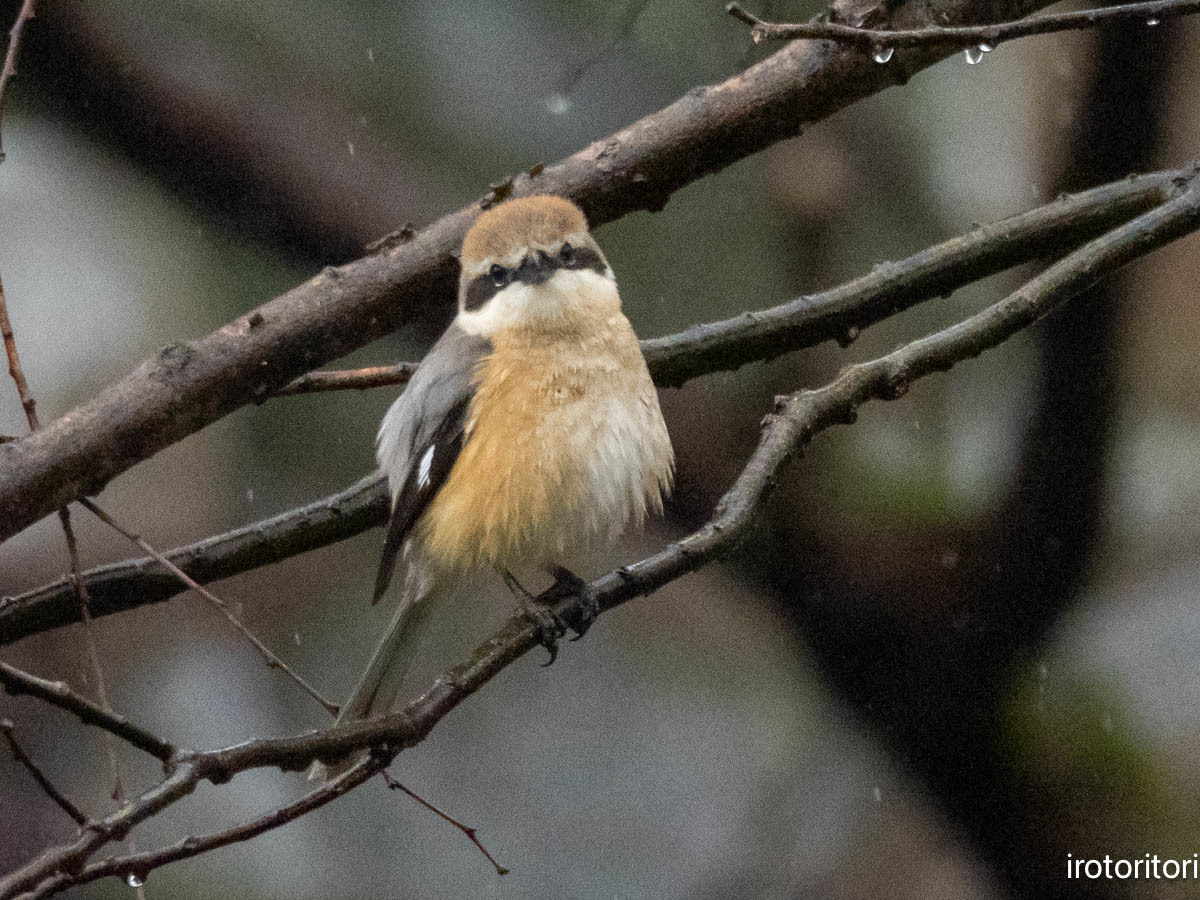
point(527, 470)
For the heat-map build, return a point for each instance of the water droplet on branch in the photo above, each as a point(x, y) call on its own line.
point(882, 54)
point(973, 55)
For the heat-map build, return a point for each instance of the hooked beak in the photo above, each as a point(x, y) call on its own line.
point(536, 268)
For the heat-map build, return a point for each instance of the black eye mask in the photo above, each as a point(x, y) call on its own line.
point(534, 269)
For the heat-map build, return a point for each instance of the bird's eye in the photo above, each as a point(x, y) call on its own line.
point(499, 275)
point(567, 254)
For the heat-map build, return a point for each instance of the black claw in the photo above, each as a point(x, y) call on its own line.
point(549, 628)
point(589, 607)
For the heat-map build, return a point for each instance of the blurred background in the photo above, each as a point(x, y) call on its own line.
point(966, 641)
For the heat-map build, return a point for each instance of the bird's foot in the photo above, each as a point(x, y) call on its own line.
point(549, 626)
point(589, 607)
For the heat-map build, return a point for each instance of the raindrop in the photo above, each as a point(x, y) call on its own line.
point(350, 147)
point(849, 336)
point(249, 495)
point(878, 794)
point(370, 55)
point(882, 54)
point(134, 880)
point(1152, 22)
point(973, 55)
point(297, 638)
point(558, 103)
point(1043, 671)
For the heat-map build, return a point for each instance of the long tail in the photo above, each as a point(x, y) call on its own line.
point(380, 684)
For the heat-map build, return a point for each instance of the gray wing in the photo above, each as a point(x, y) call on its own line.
point(423, 433)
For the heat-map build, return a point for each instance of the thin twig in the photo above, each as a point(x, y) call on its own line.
point(140, 865)
point(797, 418)
point(84, 605)
point(345, 380)
point(78, 585)
point(272, 660)
point(10, 59)
point(58, 693)
point(840, 313)
point(39, 776)
point(470, 832)
point(14, 358)
point(963, 35)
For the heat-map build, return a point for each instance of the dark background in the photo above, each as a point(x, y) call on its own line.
point(965, 641)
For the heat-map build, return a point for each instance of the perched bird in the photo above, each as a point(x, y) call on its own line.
point(531, 428)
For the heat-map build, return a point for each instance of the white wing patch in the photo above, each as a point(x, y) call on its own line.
point(424, 466)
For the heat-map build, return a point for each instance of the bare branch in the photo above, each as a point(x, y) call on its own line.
point(357, 380)
point(49, 872)
point(839, 313)
point(471, 833)
point(57, 796)
point(84, 608)
point(191, 384)
point(10, 351)
point(10, 58)
point(57, 693)
point(139, 865)
point(1149, 13)
point(186, 580)
point(124, 586)
point(78, 586)
point(796, 420)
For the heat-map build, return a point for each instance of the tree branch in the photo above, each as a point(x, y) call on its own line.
point(188, 385)
point(10, 59)
point(1149, 13)
point(127, 585)
point(28, 403)
point(839, 313)
point(57, 693)
point(796, 420)
point(187, 582)
point(357, 380)
point(56, 796)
